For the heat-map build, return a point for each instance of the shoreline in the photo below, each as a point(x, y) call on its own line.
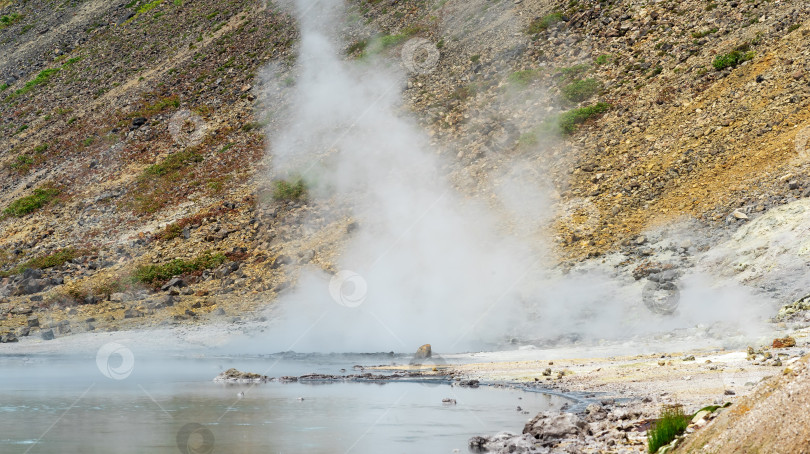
point(614, 397)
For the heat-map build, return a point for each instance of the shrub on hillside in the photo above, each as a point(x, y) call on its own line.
point(31, 203)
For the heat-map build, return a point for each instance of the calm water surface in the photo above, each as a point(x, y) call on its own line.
point(66, 405)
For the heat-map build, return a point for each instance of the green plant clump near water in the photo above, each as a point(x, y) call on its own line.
point(672, 423)
point(31, 203)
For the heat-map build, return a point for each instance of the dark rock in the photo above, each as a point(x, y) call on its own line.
point(32, 273)
point(22, 310)
point(132, 313)
point(279, 261)
point(63, 327)
point(174, 282)
point(47, 334)
point(138, 122)
point(31, 286)
point(161, 302)
point(24, 331)
point(477, 444)
point(33, 321)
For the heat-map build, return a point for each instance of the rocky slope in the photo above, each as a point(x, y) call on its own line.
point(130, 138)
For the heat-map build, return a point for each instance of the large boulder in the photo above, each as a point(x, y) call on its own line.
point(423, 352)
point(31, 286)
point(549, 428)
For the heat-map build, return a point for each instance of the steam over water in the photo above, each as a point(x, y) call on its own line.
point(427, 264)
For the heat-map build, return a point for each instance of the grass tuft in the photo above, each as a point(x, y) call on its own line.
point(581, 90)
point(31, 203)
point(285, 190)
point(731, 59)
point(524, 77)
point(672, 423)
point(157, 275)
point(542, 23)
point(46, 261)
point(569, 121)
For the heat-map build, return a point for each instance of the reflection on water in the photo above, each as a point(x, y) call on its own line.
point(56, 405)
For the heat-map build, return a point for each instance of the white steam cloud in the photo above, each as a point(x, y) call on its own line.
point(426, 265)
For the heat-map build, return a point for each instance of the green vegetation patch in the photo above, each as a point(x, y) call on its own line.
point(672, 423)
point(9, 19)
point(160, 184)
point(543, 23)
point(31, 203)
point(732, 59)
point(287, 190)
point(581, 89)
point(172, 163)
point(42, 78)
point(704, 33)
point(572, 72)
point(604, 59)
point(51, 260)
point(524, 77)
point(569, 121)
point(157, 275)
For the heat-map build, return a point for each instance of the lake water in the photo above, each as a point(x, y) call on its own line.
point(58, 404)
